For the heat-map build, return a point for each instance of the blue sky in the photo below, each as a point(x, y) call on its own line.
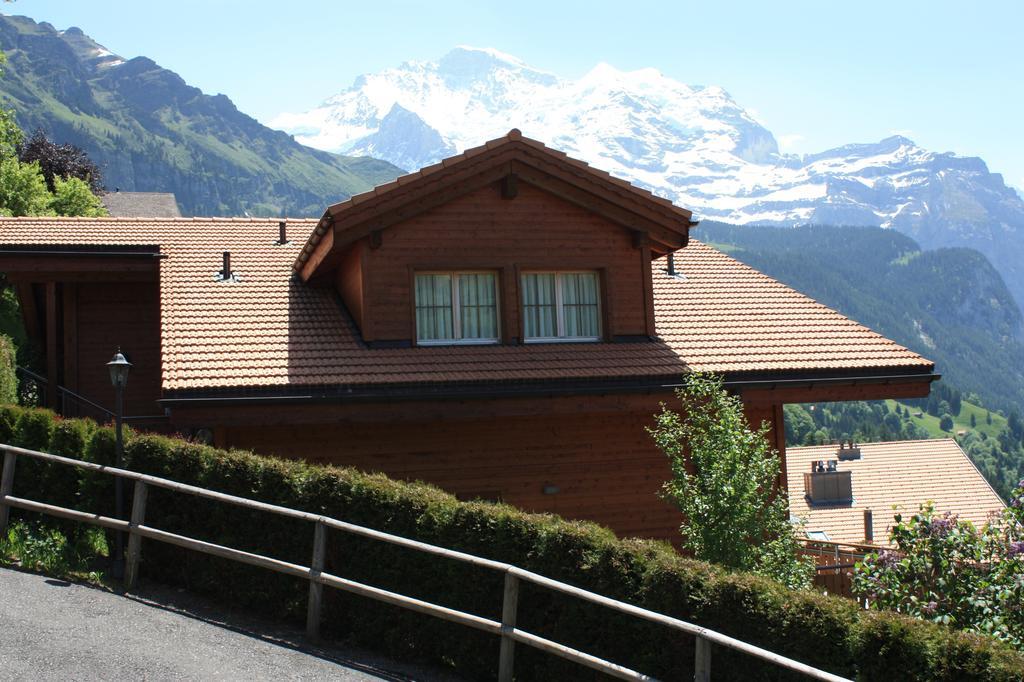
point(949, 75)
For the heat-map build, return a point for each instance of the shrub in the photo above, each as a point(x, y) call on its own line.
point(946, 570)
point(827, 632)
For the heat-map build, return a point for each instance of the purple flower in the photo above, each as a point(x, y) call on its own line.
point(1016, 549)
point(929, 608)
point(940, 527)
point(887, 559)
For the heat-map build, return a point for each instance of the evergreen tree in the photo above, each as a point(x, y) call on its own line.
point(974, 421)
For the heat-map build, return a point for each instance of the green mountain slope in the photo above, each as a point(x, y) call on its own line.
point(950, 305)
point(150, 131)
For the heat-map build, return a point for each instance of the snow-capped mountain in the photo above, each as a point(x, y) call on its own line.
point(692, 144)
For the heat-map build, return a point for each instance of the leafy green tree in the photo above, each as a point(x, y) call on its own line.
point(974, 421)
point(946, 422)
point(946, 570)
point(23, 189)
point(988, 417)
point(72, 197)
point(724, 480)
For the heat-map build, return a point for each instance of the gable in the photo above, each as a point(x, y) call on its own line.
point(536, 231)
point(505, 165)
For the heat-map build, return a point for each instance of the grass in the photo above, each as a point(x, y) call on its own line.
point(961, 422)
point(43, 547)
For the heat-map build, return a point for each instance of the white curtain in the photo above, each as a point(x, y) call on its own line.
point(434, 308)
point(539, 316)
point(478, 307)
point(579, 304)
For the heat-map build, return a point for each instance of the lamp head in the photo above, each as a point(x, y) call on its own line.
point(119, 368)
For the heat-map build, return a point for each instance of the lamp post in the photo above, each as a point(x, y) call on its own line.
point(119, 368)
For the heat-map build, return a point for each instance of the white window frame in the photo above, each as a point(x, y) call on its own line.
point(560, 312)
point(457, 339)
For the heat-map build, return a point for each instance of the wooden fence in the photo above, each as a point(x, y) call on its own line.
point(834, 562)
point(506, 628)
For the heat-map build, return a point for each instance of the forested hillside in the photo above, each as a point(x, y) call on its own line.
point(148, 130)
point(948, 304)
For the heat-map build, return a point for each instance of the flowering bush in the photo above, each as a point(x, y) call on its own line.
point(945, 570)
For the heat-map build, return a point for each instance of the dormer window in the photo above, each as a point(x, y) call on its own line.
point(456, 307)
point(561, 306)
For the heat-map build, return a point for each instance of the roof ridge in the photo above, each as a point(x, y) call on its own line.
point(879, 442)
point(165, 219)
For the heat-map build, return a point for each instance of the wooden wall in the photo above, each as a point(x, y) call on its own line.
point(595, 451)
point(111, 315)
point(483, 231)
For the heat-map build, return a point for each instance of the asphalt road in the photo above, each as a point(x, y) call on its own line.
point(54, 630)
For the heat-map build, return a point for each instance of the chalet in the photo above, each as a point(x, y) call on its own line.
point(502, 324)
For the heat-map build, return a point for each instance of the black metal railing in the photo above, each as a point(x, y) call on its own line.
point(34, 391)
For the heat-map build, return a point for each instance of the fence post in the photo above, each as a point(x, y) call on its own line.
point(6, 487)
point(509, 608)
point(316, 588)
point(131, 572)
point(702, 663)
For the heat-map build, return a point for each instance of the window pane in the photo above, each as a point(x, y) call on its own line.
point(539, 317)
point(478, 307)
point(579, 304)
point(433, 307)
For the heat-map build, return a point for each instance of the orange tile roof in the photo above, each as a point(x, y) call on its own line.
point(724, 316)
point(271, 330)
point(902, 473)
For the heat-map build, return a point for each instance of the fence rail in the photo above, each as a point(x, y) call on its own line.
point(505, 628)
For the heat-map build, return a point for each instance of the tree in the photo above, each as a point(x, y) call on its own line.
point(72, 197)
point(974, 421)
point(60, 161)
point(946, 570)
point(946, 422)
point(988, 417)
point(724, 480)
point(22, 189)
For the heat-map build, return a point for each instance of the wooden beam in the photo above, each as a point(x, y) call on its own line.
point(60, 266)
point(70, 305)
point(376, 239)
point(779, 424)
point(29, 309)
point(648, 302)
point(906, 388)
point(509, 187)
point(52, 380)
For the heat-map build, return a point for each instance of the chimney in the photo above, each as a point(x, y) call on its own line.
point(826, 484)
point(282, 234)
point(848, 451)
point(869, 526)
point(671, 265)
point(225, 272)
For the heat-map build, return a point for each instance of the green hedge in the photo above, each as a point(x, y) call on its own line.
point(827, 632)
